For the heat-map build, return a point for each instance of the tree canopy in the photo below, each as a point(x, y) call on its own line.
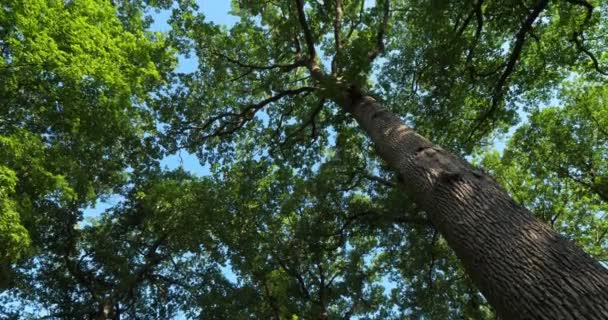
point(297, 217)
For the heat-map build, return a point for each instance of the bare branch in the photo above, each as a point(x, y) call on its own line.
point(379, 48)
point(230, 122)
point(283, 67)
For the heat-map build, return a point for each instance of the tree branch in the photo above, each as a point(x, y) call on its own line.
point(579, 45)
point(308, 122)
point(283, 67)
point(379, 48)
point(588, 6)
point(520, 37)
point(296, 275)
point(578, 37)
point(397, 218)
point(598, 189)
point(413, 220)
point(271, 301)
point(355, 25)
point(228, 127)
point(335, 63)
point(460, 29)
point(432, 264)
point(314, 68)
point(478, 29)
point(152, 259)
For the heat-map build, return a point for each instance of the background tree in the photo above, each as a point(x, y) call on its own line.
point(556, 165)
point(73, 117)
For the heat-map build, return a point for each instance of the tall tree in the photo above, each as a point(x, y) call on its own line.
point(305, 67)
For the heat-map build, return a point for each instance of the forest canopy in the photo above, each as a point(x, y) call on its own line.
point(300, 209)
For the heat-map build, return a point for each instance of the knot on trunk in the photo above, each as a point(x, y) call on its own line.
point(442, 165)
point(352, 97)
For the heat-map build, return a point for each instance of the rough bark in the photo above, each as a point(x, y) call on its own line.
point(524, 268)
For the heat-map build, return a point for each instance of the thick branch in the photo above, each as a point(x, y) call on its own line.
point(310, 42)
point(479, 17)
point(151, 260)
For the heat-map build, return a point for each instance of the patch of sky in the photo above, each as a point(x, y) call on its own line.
point(94, 211)
point(186, 161)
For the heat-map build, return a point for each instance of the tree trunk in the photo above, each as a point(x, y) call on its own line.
point(524, 268)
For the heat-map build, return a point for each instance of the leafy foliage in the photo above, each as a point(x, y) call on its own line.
point(298, 218)
point(556, 166)
point(73, 119)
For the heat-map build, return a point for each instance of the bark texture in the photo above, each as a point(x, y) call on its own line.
point(524, 268)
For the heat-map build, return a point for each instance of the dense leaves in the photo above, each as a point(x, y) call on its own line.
point(297, 217)
point(556, 166)
point(72, 117)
